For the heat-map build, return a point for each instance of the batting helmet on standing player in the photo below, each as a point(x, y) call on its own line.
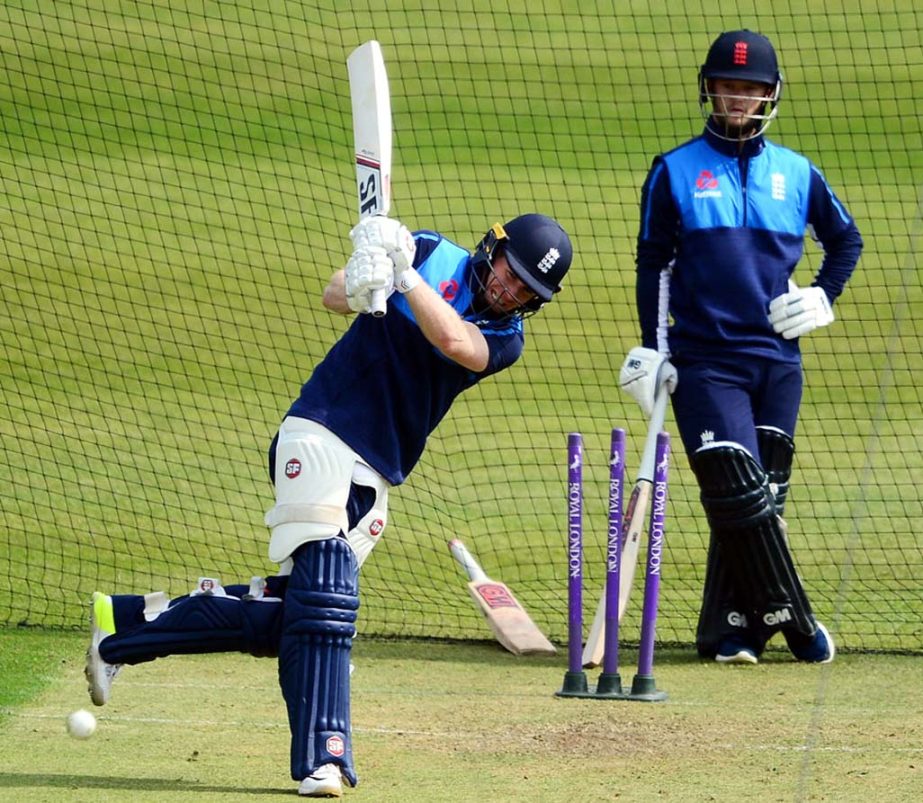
point(742, 56)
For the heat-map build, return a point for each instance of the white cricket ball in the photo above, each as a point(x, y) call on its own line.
point(81, 724)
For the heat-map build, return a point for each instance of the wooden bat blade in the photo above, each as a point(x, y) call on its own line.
point(372, 130)
point(512, 626)
point(637, 511)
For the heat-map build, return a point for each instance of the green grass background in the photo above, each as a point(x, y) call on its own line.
point(178, 186)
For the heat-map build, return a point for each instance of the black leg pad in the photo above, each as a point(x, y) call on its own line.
point(722, 616)
point(742, 514)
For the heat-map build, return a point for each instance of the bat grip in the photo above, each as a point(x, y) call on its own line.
point(658, 415)
point(466, 559)
point(378, 303)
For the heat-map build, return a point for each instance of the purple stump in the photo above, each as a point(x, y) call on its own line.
point(643, 686)
point(575, 682)
point(609, 681)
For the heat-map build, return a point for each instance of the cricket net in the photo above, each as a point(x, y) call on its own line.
point(178, 185)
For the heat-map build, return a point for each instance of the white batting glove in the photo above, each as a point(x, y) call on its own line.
point(643, 373)
point(368, 269)
point(800, 311)
point(387, 233)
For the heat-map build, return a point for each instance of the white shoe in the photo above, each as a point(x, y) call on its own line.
point(734, 650)
point(325, 781)
point(100, 674)
point(740, 656)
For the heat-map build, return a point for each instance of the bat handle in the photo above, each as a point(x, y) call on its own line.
point(659, 414)
point(466, 559)
point(379, 303)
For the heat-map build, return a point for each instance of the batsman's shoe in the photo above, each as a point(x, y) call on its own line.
point(735, 651)
point(818, 649)
point(99, 673)
point(325, 781)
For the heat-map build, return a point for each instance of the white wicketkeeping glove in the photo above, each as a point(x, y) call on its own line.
point(799, 311)
point(398, 242)
point(368, 269)
point(643, 373)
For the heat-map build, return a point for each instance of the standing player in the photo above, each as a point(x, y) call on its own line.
point(358, 427)
point(723, 219)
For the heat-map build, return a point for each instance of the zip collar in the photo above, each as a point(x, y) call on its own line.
point(751, 147)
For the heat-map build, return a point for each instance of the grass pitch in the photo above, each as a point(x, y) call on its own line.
point(444, 722)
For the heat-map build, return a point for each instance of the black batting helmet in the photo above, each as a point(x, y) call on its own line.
point(742, 56)
point(537, 249)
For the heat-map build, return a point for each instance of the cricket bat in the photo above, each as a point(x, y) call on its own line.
point(372, 137)
point(512, 626)
point(635, 518)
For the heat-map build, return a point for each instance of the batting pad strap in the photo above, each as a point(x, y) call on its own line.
point(314, 513)
point(777, 452)
point(155, 604)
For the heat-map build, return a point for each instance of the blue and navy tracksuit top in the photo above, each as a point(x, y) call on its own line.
point(721, 231)
point(383, 388)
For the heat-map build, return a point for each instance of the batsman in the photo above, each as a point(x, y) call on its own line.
point(357, 428)
point(722, 229)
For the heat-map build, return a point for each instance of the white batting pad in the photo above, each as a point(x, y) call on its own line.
point(314, 469)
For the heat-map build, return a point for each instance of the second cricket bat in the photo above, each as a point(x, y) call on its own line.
point(512, 626)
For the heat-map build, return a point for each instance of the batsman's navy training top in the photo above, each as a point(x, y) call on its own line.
point(720, 235)
point(383, 388)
